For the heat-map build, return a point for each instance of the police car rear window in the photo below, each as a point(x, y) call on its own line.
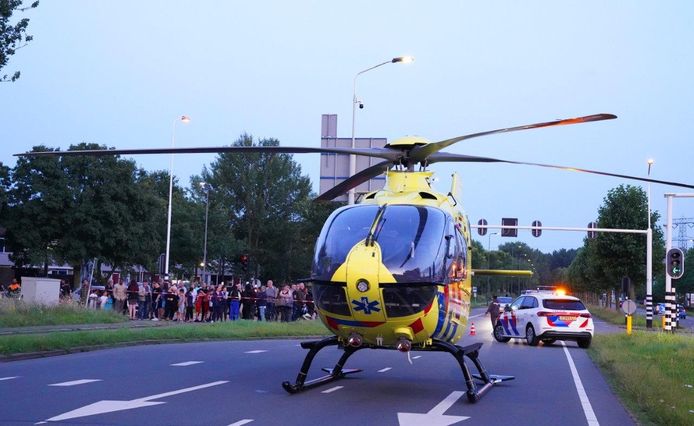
point(564, 304)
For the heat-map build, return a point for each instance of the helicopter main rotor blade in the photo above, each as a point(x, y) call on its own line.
point(354, 181)
point(448, 157)
point(421, 153)
point(385, 153)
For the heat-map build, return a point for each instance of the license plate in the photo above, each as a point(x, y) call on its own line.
point(567, 318)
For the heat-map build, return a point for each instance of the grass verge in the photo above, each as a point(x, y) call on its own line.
point(617, 317)
point(15, 313)
point(83, 340)
point(652, 373)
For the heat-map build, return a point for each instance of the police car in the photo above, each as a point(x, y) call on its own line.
point(547, 316)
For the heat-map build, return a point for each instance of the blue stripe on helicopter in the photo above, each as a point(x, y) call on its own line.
point(455, 329)
point(442, 314)
point(445, 333)
point(353, 323)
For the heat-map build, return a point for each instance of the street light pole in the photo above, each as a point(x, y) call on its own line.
point(649, 258)
point(184, 119)
point(355, 101)
point(206, 187)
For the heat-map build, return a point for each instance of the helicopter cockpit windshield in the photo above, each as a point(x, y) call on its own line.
point(412, 239)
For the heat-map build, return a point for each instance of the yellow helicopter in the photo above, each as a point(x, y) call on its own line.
point(394, 271)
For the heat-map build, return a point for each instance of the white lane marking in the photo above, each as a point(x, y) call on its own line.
point(241, 422)
point(416, 357)
point(40, 423)
point(383, 370)
point(76, 382)
point(8, 378)
point(257, 351)
point(332, 389)
point(109, 406)
point(176, 392)
point(186, 364)
point(475, 316)
point(435, 416)
point(585, 402)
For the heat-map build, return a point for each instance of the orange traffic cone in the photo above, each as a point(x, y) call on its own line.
point(472, 329)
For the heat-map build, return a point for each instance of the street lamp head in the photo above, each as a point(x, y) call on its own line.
point(650, 163)
point(403, 59)
point(185, 119)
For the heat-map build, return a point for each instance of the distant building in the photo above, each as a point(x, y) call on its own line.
point(334, 168)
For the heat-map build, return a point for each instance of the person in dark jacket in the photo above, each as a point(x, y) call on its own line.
point(248, 301)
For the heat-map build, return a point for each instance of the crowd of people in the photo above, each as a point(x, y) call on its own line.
point(200, 302)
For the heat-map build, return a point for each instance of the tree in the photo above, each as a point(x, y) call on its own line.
point(602, 263)
point(12, 37)
point(73, 209)
point(686, 283)
point(5, 184)
point(36, 202)
point(264, 194)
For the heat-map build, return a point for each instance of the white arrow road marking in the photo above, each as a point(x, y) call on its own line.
point(383, 370)
point(332, 389)
point(435, 416)
point(257, 351)
point(8, 378)
point(241, 422)
point(76, 382)
point(186, 364)
point(107, 406)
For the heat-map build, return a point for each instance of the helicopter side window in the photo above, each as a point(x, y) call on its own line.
point(343, 229)
point(460, 256)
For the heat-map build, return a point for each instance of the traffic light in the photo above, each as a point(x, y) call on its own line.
point(509, 232)
point(674, 263)
point(243, 260)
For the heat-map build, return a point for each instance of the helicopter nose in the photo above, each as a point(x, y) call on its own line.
point(404, 345)
point(355, 340)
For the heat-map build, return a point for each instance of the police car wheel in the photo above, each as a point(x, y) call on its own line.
point(499, 334)
point(584, 343)
point(530, 336)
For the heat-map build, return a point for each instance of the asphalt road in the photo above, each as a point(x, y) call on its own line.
point(237, 383)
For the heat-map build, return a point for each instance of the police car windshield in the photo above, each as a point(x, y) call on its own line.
point(564, 304)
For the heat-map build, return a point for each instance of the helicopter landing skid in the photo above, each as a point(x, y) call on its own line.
point(334, 373)
point(472, 352)
point(459, 352)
